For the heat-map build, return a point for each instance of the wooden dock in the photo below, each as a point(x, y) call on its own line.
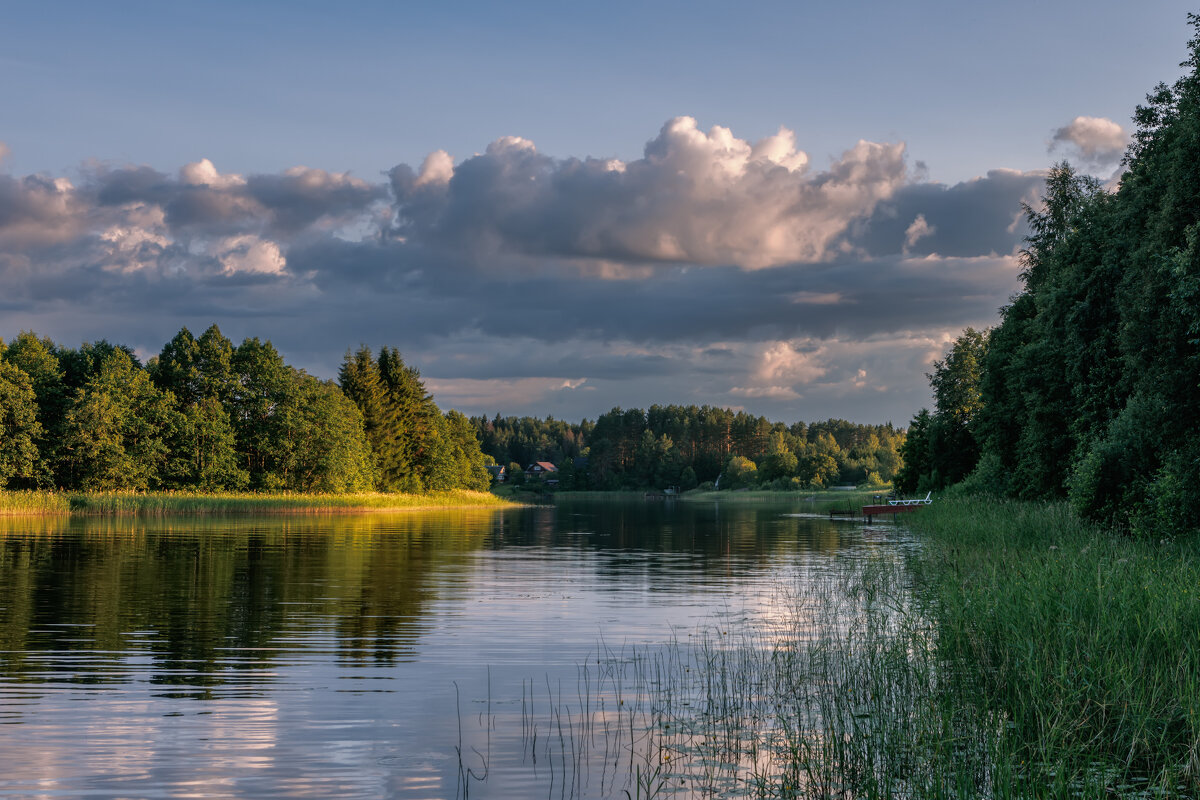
point(879, 511)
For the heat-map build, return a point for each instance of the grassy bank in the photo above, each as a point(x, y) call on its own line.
point(1015, 652)
point(1087, 642)
point(120, 503)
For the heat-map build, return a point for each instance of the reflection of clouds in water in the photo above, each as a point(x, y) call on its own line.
point(314, 657)
point(126, 739)
point(747, 696)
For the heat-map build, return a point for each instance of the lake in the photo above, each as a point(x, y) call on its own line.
point(417, 655)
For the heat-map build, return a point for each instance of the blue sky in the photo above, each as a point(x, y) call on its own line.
point(769, 292)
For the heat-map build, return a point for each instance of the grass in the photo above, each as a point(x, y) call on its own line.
point(151, 503)
point(1015, 652)
point(1087, 640)
point(835, 695)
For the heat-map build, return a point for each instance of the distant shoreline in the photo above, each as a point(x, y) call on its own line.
point(96, 504)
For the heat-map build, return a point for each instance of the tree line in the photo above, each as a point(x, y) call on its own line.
point(1087, 388)
point(206, 415)
point(687, 446)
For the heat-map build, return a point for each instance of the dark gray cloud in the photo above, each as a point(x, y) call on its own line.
point(710, 270)
point(974, 218)
point(36, 210)
point(850, 297)
point(202, 200)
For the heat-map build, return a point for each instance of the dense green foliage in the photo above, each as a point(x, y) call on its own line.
point(417, 447)
point(207, 416)
point(1078, 644)
point(18, 424)
point(1088, 385)
point(942, 448)
point(685, 446)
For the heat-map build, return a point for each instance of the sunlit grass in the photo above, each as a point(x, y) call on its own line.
point(119, 503)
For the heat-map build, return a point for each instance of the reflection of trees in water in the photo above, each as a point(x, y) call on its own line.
point(202, 602)
point(666, 541)
point(201, 598)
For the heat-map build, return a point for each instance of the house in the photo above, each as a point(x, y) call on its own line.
point(539, 469)
point(499, 473)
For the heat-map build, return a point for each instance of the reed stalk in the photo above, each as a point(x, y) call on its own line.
point(1013, 652)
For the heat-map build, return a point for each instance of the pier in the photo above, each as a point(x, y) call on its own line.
point(878, 511)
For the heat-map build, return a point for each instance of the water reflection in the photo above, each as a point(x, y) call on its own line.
point(318, 656)
point(199, 598)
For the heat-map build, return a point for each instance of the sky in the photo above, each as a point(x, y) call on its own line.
point(787, 208)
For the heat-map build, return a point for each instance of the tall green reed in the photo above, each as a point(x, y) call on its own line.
point(835, 693)
point(1013, 652)
point(1087, 640)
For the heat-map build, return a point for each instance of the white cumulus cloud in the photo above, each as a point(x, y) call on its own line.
point(1097, 141)
point(249, 254)
point(700, 197)
point(204, 173)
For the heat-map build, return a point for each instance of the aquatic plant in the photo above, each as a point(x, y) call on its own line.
point(1014, 652)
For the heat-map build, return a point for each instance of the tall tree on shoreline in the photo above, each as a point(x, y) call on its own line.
point(19, 427)
point(38, 359)
point(262, 388)
point(1089, 386)
point(117, 429)
point(416, 447)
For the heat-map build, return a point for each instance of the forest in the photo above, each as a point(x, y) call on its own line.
point(205, 415)
point(1087, 388)
point(689, 446)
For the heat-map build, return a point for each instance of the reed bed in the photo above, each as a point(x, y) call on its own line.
point(162, 503)
point(1014, 652)
point(1086, 639)
point(835, 693)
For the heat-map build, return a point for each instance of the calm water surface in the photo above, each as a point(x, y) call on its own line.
point(352, 656)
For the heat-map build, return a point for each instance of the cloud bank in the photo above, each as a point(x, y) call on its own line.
point(713, 269)
point(695, 198)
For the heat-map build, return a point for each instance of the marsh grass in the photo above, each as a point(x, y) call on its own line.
point(1015, 652)
point(1087, 640)
point(156, 503)
point(834, 693)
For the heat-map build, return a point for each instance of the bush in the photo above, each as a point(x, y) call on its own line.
point(740, 473)
point(1110, 483)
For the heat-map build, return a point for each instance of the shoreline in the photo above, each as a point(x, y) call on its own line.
point(100, 504)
